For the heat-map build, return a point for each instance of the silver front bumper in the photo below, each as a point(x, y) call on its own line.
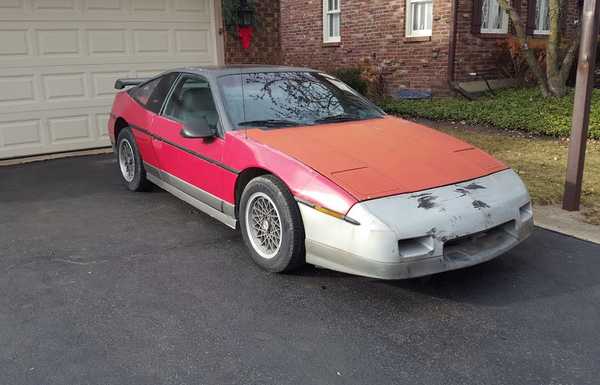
point(416, 234)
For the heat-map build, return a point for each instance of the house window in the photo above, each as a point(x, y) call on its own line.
point(419, 14)
point(542, 17)
point(494, 19)
point(331, 21)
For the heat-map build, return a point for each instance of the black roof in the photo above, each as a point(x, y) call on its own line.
point(213, 70)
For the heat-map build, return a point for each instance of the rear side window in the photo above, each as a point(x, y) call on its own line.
point(152, 94)
point(142, 93)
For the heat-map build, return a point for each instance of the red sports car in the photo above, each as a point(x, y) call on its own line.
point(312, 172)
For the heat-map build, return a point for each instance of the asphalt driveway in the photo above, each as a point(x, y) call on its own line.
point(102, 286)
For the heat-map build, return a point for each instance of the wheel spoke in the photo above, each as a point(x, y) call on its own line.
point(263, 225)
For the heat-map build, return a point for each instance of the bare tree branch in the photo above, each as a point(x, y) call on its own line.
point(523, 40)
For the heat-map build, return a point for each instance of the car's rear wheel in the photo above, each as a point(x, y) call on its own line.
point(271, 225)
point(130, 162)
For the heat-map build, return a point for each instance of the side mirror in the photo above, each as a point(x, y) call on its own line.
point(197, 128)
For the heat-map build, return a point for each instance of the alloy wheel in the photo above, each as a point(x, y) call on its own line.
point(263, 225)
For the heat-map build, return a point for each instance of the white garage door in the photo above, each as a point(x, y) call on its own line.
point(59, 60)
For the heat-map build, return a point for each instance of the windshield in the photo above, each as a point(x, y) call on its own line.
point(284, 99)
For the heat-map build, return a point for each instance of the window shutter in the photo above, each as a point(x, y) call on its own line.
point(476, 17)
point(531, 17)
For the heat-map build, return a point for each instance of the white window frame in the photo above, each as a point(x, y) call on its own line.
point(409, 19)
point(502, 30)
point(327, 38)
point(537, 31)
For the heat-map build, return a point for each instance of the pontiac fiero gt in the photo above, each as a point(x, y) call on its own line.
point(312, 172)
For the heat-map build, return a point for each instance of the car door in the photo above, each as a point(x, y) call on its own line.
point(150, 97)
point(192, 165)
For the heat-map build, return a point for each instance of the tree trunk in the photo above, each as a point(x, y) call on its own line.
point(522, 37)
point(554, 81)
point(556, 84)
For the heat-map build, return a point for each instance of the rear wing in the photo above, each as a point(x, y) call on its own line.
point(127, 82)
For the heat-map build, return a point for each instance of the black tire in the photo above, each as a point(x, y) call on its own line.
point(139, 181)
point(291, 253)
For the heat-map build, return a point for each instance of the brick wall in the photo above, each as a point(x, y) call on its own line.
point(480, 52)
point(291, 32)
point(371, 30)
point(265, 47)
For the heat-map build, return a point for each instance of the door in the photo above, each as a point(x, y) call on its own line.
point(192, 165)
point(59, 60)
point(150, 98)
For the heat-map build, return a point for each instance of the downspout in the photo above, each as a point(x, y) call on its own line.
point(452, 44)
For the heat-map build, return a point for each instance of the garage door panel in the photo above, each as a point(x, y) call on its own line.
point(24, 133)
point(104, 5)
point(104, 83)
point(192, 41)
point(59, 130)
point(58, 42)
point(59, 60)
point(17, 89)
point(152, 41)
point(14, 42)
point(54, 5)
point(185, 6)
point(101, 122)
point(11, 4)
point(64, 86)
point(145, 6)
point(102, 42)
point(74, 128)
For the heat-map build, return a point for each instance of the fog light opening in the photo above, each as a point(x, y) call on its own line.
point(415, 247)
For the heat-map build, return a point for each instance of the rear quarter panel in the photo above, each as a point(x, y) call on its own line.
point(127, 108)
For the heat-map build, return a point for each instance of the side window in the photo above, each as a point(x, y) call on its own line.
point(331, 21)
point(143, 92)
point(191, 101)
point(152, 94)
point(494, 19)
point(542, 17)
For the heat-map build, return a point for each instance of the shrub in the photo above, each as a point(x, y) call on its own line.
point(353, 77)
point(521, 109)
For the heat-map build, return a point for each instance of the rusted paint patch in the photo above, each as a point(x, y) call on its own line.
point(474, 186)
point(480, 205)
point(427, 202)
point(463, 192)
point(466, 190)
point(420, 195)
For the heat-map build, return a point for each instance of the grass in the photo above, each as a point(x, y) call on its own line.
point(511, 109)
point(540, 161)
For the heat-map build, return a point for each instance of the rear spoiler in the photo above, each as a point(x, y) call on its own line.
point(127, 82)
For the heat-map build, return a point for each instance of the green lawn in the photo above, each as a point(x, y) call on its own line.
point(540, 161)
point(511, 109)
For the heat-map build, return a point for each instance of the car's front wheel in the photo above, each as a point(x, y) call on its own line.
point(130, 162)
point(271, 225)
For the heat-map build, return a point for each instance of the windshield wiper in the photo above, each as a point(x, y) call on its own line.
point(338, 118)
point(271, 123)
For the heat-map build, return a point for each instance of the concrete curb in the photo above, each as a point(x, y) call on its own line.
point(569, 223)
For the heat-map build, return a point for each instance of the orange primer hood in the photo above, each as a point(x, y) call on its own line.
point(380, 157)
